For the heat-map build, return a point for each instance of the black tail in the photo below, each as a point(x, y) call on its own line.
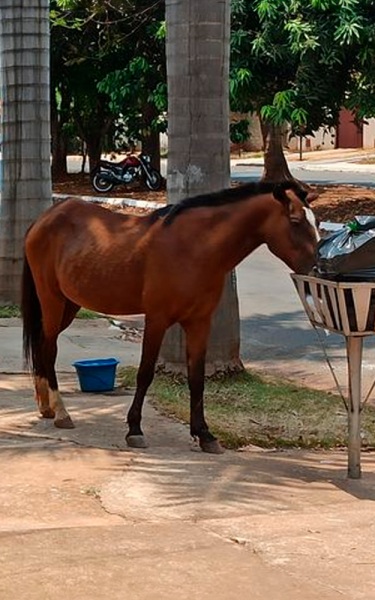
point(32, 317)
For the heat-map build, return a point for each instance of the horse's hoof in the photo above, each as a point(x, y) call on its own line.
point(212, 447)
point(48, 413)
point(136, 441)
point(65, 423)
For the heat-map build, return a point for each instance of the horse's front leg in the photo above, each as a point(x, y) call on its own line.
point(152, 339)
point(196, 343)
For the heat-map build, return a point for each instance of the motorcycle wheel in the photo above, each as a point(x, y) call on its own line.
point(100, 184)
point(154, 181)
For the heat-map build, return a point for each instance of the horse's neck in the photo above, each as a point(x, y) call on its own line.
point(239, 231)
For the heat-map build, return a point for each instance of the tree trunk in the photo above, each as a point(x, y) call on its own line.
point(151, 146)
point(26, 164)
point(93, 138)
point(198, 148)
point(59, 165)
point(151, 141)
point(59, 157)
point(94, 145)
point(92, 130)
point(60, 115)
point(275, 164)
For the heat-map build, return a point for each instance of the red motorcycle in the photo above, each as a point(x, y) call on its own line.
point(132, 168)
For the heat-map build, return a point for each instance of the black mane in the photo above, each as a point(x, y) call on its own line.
point(226, 196)
point(160, 212)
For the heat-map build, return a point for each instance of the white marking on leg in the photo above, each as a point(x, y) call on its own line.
point(42, 393)
point(57, 405)
point(41, 389)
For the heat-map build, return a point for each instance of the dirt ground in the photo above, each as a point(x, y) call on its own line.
point(338, 203)
point(79, 184)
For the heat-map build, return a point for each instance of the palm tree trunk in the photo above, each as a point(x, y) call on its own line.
point(26, 168)
point(198, 147)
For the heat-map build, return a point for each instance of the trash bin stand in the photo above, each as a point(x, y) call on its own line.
point(348, 309)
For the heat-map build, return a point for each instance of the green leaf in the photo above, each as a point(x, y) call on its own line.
point(299, 116)
point(348, 32)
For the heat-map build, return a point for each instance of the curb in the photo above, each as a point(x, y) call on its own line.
point(128, 321)
point(121, 202)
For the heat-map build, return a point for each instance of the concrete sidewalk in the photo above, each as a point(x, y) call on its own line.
point(82, 517)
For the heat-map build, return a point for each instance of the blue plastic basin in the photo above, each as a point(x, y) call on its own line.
point(96, 374)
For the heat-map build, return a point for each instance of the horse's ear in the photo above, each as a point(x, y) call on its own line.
point(290, 196)
point(286, 194)
point(311, 196)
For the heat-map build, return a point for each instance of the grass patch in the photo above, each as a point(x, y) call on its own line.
point(11, 310)
point(6, 312)
point(86, 313)
point(250, 409)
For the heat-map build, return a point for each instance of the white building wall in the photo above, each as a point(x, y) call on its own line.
point(321, 140)
point(369, 134)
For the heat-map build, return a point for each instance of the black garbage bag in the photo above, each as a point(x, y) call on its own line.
point(348, 254)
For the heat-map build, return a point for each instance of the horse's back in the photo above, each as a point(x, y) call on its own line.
point(77, 224)
point(90, 254)
point(77, 213)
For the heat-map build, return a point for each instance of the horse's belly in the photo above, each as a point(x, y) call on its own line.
point(108, 293)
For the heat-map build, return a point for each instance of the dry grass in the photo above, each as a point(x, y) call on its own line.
point(249, 409)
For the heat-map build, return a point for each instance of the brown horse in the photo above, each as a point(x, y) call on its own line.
point(169, 265)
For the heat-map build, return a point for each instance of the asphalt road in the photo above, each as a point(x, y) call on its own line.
point(331, 171)
point(276, 335)
point(325, 171)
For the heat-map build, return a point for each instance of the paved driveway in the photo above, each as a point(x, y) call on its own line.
point(83, 517)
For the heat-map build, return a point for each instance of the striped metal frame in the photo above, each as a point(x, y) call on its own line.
point(343, 307)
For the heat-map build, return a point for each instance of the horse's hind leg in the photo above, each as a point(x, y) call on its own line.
point(42, 395)
point(52, 326)
point(152, 339)
point(62, 418)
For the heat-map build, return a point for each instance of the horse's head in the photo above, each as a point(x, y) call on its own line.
point(293, 236)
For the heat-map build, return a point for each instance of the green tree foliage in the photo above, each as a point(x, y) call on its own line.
point(292, 61)
point(107, 59)
point(141, 83)
point(300, 61)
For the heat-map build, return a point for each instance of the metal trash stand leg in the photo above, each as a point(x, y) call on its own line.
point(354, 348)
